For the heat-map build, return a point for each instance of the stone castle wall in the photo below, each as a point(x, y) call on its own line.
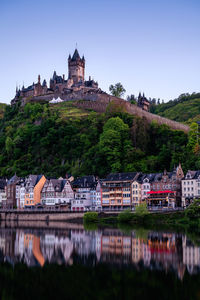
point(99, 102)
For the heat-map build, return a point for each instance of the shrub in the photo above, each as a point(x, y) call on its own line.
point(193, 211)
point(125, 216)
point(90, 217)
point(141, 209)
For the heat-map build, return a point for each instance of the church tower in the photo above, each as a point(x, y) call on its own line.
point(76, 67)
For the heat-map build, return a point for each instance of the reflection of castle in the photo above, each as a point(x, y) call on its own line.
point(58, 84)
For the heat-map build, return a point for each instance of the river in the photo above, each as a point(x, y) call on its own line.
point(170, 257)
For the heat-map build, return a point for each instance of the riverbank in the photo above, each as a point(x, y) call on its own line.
point(186, 219)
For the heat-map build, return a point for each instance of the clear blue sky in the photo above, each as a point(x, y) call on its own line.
point(147, 45)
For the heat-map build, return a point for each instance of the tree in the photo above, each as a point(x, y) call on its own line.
point(117, 90)
point(112, 143)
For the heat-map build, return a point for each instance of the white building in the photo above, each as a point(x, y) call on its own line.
point(84, 189)
point(2, 191)
point(190, 186)
point(95, 195)
point(57, 191)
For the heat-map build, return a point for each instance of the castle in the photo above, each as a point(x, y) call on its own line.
point(59, 86)
point(75, 87)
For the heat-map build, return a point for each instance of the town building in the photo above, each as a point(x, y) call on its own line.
point(190, 187)
point(83, 187)
point(11, 199)
point(33, 188)
point(57, 191)
point(3, 183)
point(95, 195)
point(117, 190)
point(169, 181)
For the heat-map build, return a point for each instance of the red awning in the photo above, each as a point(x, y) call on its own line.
point(161, 192)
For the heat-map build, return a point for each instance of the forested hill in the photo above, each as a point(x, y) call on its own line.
point(59, 139)
point(186, 108)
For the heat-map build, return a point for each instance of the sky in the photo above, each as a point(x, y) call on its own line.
point(150, 46)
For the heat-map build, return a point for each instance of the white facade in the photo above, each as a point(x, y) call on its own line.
point(22, 196)
point(190, 187)
point(82, 200)
point(54, 192)
point(95, 195)
point(2, 196)
point(145, 188)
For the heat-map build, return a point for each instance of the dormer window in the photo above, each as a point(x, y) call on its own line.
point(188, 176)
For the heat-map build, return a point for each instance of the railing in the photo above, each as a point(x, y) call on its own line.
point(38, 210)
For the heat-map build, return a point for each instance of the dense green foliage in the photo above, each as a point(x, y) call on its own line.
point(90, 217)
point(184, 109)
point(59, 139)
point(125, 216)
point(141, 210)
point(117, 90)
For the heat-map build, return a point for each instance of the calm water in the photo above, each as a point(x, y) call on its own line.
point(163, 250)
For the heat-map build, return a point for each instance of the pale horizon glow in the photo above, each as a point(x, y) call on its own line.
point(149, 46)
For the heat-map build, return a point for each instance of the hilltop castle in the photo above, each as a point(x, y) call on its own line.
point(59, 86)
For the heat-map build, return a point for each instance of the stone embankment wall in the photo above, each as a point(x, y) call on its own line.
point(40, 216)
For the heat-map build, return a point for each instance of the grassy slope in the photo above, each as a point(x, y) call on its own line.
point(68, 110)
point(188, 111)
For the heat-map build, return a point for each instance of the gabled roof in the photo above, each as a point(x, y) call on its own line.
point(121, 176)
point(34, 179)
point(58, 184)
point(13, 179)
point(194, 174)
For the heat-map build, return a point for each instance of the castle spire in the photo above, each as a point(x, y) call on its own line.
point(76, 55)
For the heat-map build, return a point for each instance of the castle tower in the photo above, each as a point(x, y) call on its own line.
point(76, 66)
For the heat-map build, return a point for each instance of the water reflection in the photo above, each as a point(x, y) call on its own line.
point(155, 250)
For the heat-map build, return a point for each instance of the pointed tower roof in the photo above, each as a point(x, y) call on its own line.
point(75, 55)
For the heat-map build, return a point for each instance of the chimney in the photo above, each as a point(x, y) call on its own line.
point(63, 76)
point(89, 78)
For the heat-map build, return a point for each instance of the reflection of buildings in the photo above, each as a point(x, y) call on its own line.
point(155, 250)
point(115, 247)
point(191, 256)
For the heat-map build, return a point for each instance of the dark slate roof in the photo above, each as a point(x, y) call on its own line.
point(29, 88)
point(58, 184)
point(57, 78)
point(121, 176)
point(85, 182)
point(2, 183)
point(13, 179)
point(194, 174)
point(151, 176)
point(34, 179)
point(154, 177)
point(75, 55)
